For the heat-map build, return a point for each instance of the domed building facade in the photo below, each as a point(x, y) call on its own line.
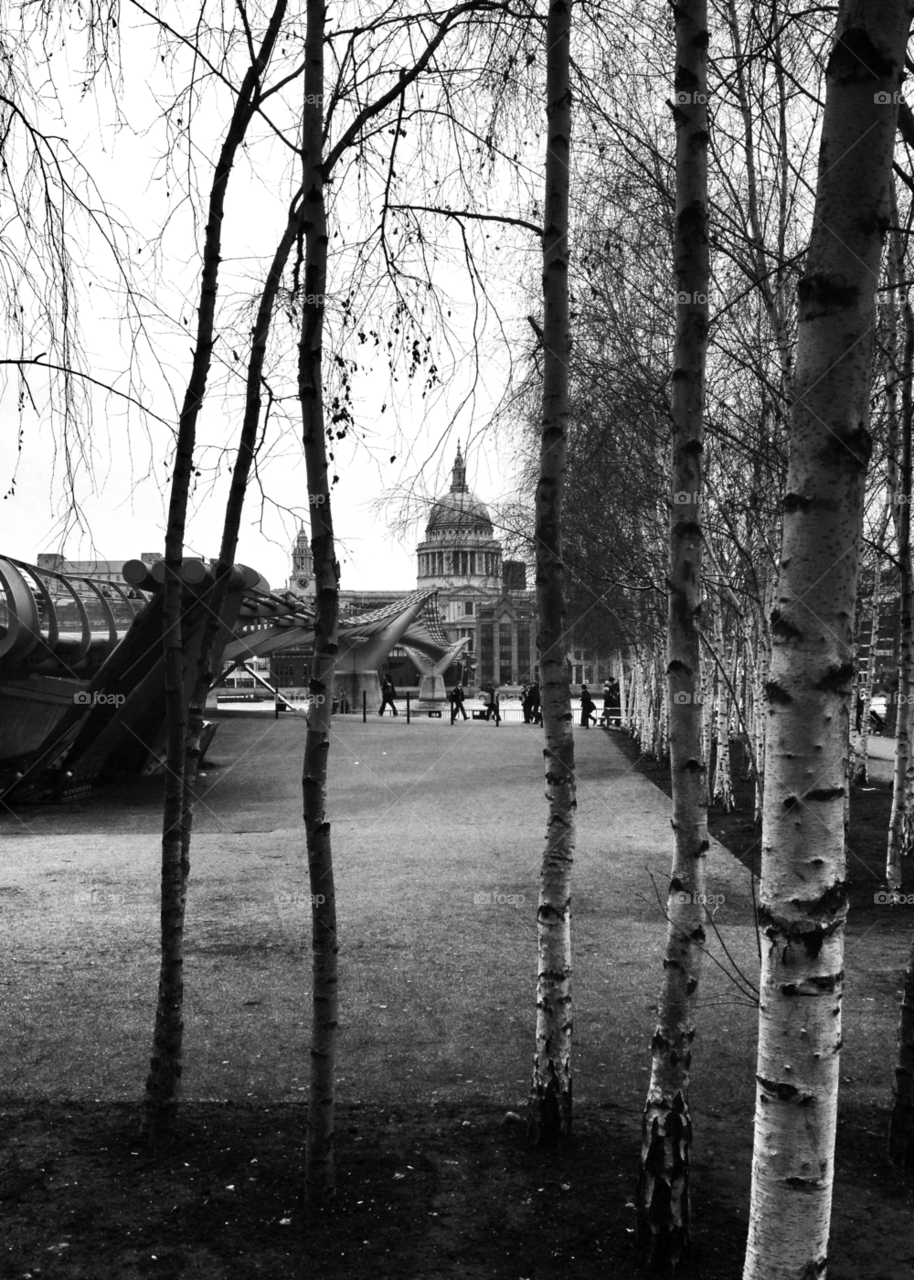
point(459, 544)
point(481, 597)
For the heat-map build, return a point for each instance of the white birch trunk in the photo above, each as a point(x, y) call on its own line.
point(762, 665)
point(802, 897)
point(864, 743)
point(551, 1090)
point(664, 1213)
point(897, 823)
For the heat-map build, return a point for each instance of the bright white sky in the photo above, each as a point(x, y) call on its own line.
point(123, 499)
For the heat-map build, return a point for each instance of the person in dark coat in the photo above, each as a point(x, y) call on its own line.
point(612, 703)
point(456, 697)
point(588, 707)
point(533, 698)
point(388, 693)
point(492, 703)
point(525, 702)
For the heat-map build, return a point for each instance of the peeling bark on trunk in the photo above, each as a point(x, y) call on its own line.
point(802, 897)
point(664, 1227)
point(165, 1069)
point(551, 1091)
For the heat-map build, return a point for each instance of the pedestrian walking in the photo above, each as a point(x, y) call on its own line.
point(612, 704)
point(491, 701)
point(456, 697)
point(388, 693)
point(588, 707)
point(525, 702)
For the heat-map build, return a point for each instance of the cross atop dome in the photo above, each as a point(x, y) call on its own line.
point(459, 474)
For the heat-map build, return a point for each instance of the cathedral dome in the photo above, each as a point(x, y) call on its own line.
point(459, 511)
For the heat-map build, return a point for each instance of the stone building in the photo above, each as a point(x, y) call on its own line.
point(481, 598)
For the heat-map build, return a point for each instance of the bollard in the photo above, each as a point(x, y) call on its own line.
point(364, 707)
point(407, 706)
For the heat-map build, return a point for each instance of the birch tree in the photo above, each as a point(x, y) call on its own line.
point(550, 1104)
point(319, 1170)
point(319, 162)
point(306, 228)
point(802, 898)
point(166, 1066)
point(666, 1135)
point(901, 474)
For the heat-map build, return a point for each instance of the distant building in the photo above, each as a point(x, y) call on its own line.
point(481, 597)
point(99, 570)
point(301, 580)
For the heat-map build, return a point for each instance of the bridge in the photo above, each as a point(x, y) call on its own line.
point(82, 667)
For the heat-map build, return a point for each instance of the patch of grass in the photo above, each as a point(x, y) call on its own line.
point(867, 835)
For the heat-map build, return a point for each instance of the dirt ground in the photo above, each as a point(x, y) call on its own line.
point(425, 1192)
point(435, 1177)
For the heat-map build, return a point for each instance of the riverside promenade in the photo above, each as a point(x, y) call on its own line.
point(437, 838)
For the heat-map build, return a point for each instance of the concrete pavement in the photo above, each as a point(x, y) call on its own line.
point(437, 833)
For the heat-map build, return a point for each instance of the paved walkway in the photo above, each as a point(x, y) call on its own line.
point(437, 833)
point(881, 756)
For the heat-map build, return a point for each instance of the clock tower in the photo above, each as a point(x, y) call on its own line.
point(301, 582)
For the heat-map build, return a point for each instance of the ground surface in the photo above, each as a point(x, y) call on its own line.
point(437, 837)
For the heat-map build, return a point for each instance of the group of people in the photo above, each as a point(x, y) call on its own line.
point(612, 705)
point(530, 701)
point(489, 697)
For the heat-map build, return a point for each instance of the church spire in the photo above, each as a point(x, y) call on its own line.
point(459, 475)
